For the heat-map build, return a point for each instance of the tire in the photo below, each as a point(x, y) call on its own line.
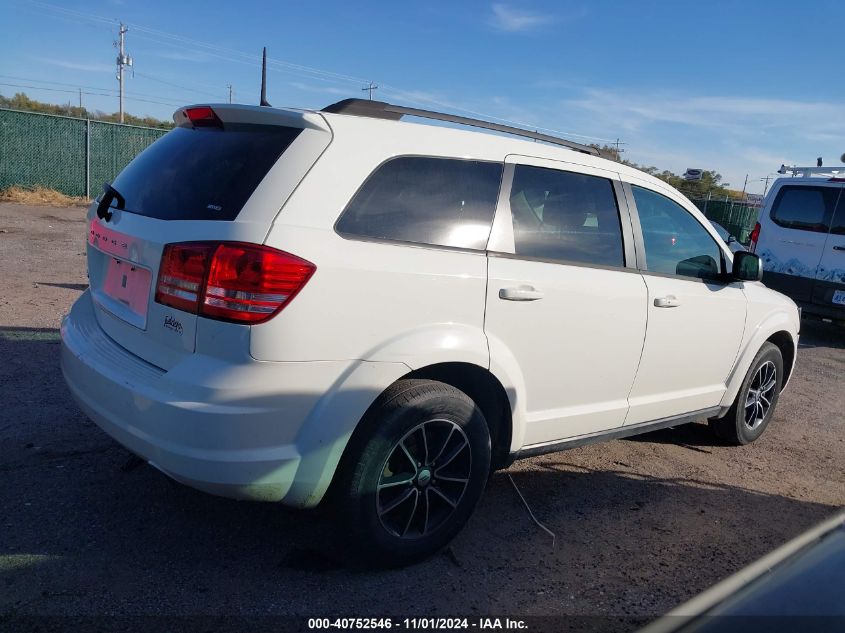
point(396, 510)
point(749, 414)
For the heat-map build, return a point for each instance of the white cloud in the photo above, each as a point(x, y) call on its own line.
point(182, 56)
point(733, 134)
point(736, 114)
point(87, 67)
point(512, 20)
point(322, 89)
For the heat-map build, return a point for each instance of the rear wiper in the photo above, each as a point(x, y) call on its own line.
point(109, 194)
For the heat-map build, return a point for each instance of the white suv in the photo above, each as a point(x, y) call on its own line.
point(801, 239)
point(289, 305)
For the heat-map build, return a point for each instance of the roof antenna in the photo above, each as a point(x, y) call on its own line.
point(264, 101)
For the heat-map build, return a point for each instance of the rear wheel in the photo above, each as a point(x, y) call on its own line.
point(755, 403)
point(413, 473)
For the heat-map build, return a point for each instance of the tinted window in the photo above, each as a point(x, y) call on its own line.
point(202, 174)
point(675, 243)
point(838, 225)
point(805, 208)
point(565, 216)
point(437, 201)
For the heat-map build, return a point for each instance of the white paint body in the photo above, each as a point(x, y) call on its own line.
point(265, 411)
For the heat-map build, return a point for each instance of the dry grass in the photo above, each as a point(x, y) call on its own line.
point(41, 196)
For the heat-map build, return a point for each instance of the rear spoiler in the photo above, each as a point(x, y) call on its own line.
point(257, 115)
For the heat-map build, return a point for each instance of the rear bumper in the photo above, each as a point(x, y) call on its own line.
point(822, 304)
point(814, 296)
point(236, 430)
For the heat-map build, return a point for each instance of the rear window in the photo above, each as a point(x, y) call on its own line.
point(203, 173)
point(805, 208)
point(438, 201)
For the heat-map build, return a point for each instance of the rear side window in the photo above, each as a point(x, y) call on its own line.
point(565, 216)
point(438, 201)
point(805, 208)
point(202, 173)
point(837, 226)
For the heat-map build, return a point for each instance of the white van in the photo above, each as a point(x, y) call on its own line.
point(801, 239)
point(289, 305)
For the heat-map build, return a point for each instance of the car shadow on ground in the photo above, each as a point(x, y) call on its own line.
point(815, 333)
point(67, 286)
point(696, 436)
point(87, 530)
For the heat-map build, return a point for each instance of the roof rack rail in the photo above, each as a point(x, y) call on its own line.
point(382, 110)
point(806, 172)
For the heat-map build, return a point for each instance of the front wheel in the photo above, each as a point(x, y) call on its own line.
point(413, 473)
point(755, 403)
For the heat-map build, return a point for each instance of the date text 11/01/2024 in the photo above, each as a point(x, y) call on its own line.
point(417, 623)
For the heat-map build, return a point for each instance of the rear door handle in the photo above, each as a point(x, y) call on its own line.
point(669, 301)
point(839, 248)
point(520, 293)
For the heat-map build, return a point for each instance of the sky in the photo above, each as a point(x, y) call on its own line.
point(737, 87)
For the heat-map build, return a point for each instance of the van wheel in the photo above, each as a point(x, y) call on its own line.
point(413, 473)
point(755, 403)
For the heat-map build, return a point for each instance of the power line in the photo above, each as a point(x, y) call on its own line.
point(94, 94)
point(236, 56)
point(175, 85)
point(110, 92)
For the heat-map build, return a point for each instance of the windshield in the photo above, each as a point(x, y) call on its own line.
point(203, 173)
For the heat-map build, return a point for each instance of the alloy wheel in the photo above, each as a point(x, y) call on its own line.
point(761, 391)
point(423, 479)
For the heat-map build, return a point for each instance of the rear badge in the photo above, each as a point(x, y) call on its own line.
point(172, 324)
point(215, 207)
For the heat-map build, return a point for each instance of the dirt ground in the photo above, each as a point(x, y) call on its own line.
point(641, 524)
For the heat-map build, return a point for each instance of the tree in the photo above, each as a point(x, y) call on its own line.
point(710, 183)
point(22, 102)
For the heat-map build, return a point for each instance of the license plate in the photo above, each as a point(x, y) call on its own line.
point(128, 285)
point(839, 297)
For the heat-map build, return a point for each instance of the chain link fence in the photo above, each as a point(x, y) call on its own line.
point(73, 156)
point(76, 156)
point(737, 217)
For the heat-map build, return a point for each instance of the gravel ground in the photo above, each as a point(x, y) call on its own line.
point(641, 524)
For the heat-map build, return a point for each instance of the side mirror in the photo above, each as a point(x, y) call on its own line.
point(747, 267)
point(702, 266)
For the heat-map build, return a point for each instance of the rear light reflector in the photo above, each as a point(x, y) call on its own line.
point(230, 281)
point(755, 235)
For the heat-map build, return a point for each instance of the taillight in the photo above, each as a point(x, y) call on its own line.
point(230, 281)
point(181, 275)
point(203, 116)
point(755, 235)
point(249, 283)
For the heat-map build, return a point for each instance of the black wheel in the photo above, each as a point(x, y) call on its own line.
point(755, 403)
point(413, 473)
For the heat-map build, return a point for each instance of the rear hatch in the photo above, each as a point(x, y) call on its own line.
point(222, 176)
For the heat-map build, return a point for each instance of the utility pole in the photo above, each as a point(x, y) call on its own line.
point(123, 60)
point(766, 186)
point(229, 86)
point(370, 89)
point(744, 186)
point(80, 98)
point(617, 143)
